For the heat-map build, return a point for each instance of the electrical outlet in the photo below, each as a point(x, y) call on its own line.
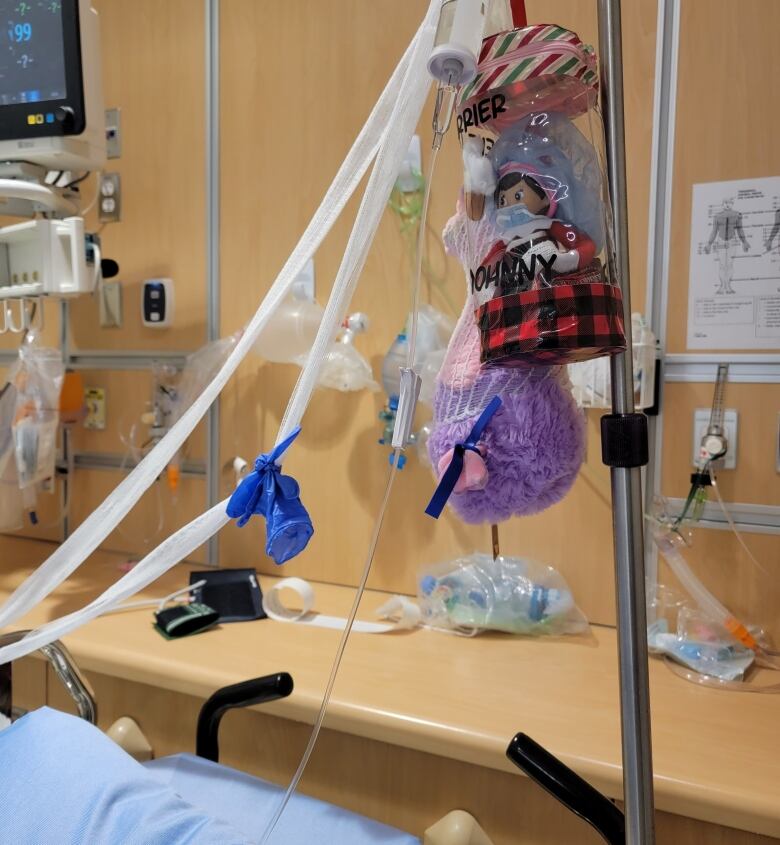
point(701, 419)
point(95, 402)
point(111, 305)
point(113, 134)
point(110, 199)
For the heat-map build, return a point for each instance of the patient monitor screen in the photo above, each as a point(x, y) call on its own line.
point(32, 52)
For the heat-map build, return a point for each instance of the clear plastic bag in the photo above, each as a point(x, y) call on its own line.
point(539, 288)
point(690, 637)
point(7, 411)
point(344, 367)
point(37, 378)
point(200, 368)
point(511, 594)
point(289, 335)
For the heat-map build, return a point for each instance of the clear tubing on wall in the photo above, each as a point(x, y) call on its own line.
point(273, 821)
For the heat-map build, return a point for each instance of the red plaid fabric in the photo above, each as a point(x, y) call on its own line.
point(553, 325)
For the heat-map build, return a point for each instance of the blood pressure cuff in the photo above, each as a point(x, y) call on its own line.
point(234, 593)
point(185, 619)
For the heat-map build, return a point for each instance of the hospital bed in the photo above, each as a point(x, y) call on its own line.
point(65, 781)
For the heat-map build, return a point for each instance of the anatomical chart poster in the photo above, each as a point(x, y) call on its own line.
point(734, 284)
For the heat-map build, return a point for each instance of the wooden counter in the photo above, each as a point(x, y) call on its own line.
point(715, 753)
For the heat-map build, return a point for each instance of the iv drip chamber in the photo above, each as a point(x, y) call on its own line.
point(455, 53)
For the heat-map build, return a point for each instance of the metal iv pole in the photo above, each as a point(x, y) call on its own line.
point(624, 448)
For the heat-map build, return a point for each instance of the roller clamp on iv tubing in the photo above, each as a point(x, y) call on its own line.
point(407, 403)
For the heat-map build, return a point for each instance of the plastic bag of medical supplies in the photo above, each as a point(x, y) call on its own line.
point(681, 631)
point(37, 378)
point(511, 594)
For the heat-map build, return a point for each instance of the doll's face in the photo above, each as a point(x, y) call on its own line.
point(522, 194)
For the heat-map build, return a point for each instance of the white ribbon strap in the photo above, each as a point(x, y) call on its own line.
point(403, 612)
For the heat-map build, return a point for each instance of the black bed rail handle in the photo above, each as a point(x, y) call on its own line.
point(243, 694)
point(568, 787)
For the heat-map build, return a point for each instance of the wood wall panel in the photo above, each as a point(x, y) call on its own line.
point(128, 396)
point(138, 533)
point(153, 70)
point(321, 101)
point(725, 127)
point(29, 679)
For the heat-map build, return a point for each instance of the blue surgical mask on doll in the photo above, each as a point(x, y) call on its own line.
point(513, 216)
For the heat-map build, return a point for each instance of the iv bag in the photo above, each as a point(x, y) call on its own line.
point(534, 195)
point(7, 411)
point(345, 369)
point(11, 512)
point(199, 369)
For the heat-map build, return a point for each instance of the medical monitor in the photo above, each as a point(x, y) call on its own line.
point(51, 109)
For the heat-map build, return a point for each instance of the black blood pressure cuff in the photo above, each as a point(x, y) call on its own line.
point(234, 593)
point(185, 619)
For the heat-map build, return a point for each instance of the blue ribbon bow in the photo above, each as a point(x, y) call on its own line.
point(266, 492)
point(452, 473)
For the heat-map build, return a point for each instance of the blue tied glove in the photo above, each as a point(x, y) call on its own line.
point(268, 493)
point(453, 471)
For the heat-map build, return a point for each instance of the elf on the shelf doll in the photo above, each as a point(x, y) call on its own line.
point(535, 246)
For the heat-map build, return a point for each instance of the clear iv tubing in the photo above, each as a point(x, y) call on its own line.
point(412, 330)
point(716, 488)
point(668, 543)
point(418, 268)
point(181, 596)
point(339, 654)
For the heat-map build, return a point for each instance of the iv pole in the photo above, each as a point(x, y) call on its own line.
point(624, 447)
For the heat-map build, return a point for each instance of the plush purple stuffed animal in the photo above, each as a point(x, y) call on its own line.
point(532, 448)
